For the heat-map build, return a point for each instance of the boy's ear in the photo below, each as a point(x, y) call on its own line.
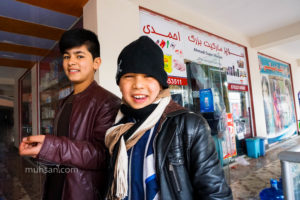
point(97, 63)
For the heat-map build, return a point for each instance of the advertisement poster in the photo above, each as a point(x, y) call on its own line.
point(278, 99)
point(206, 100)
point(180, 42)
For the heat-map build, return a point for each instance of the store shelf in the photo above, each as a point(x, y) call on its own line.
point(48, 118)
point(54, 86)
point(48, 104)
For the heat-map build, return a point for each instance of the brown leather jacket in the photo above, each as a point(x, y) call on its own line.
point(93, 112)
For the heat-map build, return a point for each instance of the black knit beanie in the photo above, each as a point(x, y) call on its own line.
point(143, 56)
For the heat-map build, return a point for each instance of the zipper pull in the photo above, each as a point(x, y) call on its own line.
point(173, 172)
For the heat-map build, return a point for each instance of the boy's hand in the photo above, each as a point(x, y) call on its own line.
point(31, 146)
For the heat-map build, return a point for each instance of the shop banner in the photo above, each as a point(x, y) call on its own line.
point(180, 42)
point(278, 99)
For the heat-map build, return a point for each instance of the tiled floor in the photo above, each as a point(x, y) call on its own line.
point(15, 184)
point(246, 181)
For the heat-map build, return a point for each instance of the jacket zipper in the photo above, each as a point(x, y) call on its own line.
point(171, 168)
point(173, 172)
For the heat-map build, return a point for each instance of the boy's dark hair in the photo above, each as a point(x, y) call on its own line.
point(78, 37)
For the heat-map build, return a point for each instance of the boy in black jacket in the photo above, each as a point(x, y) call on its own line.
point(159, 149)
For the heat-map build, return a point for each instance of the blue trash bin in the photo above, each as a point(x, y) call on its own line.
point(253, 147)
point(262, 151)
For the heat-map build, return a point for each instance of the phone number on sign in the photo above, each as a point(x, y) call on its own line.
point(177, 81)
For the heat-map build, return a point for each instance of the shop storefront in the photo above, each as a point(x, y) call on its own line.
point(208, 75)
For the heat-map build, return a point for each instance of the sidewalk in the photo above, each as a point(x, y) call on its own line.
point(15, 184)
point(247, 181)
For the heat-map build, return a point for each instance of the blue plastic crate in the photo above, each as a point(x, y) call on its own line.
point(253, 147)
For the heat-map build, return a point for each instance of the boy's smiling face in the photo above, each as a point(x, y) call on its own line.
point(139, 90)
point(79, 65)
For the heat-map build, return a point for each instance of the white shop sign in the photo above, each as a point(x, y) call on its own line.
point(180, 42)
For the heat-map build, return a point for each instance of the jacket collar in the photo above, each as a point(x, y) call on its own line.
point(173, 109)
point(81, 94)
point(84, 92)
point(87, 90)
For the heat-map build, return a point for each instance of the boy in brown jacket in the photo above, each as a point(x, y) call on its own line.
point(80, 125)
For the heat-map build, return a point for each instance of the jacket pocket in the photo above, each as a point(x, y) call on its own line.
point(174, 177)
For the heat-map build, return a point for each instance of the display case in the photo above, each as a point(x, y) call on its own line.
point(209, 94)
point(25, 86)
point(201, 77)
point(179, 94)
point(53, 86)
point(290, 172)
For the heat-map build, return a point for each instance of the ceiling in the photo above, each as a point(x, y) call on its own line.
point(30, 28)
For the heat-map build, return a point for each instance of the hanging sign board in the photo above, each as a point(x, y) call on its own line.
point(180, 42)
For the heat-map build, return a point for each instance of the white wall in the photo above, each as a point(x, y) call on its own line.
point(257, 96)
point(90, 21)
point(117, 25)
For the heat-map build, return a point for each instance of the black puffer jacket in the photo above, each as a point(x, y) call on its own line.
point(187, 164)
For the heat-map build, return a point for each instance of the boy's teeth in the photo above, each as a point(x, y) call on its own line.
point(139, 96)
point(74, 70)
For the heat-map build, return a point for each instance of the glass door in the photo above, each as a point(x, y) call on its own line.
point(26, 105)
